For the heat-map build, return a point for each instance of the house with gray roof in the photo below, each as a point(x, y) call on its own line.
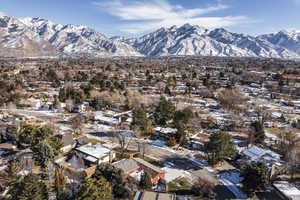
point(128, 166)
point(257, 154)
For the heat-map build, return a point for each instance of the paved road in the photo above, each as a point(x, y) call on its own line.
point(150, 150)
point(178, 159)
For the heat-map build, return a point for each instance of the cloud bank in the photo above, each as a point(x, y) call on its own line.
point(142, 16)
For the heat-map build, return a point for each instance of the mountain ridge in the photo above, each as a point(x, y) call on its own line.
point(23, 37)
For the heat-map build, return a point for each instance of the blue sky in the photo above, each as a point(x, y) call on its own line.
point(136, 17)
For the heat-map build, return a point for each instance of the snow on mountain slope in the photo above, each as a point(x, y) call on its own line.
point(39, 37)
point(195, 40)
point(286, 39)
point(72, 39)
point(254, 45)
point(17, 40)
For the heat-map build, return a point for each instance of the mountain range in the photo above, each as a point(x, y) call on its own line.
point(36, 37)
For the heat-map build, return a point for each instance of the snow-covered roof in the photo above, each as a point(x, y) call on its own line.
point(288, 189)
point(166, 130)
point(172, 174)
point(256, 154)
point(101, 117)
point(97, 151)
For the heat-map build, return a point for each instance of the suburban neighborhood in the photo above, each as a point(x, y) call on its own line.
point(150, 128)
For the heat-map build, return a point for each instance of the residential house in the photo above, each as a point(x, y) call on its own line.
point(83, 140)
point(68, 142)
point(103, 119)
point(257, 154)
point(129, 167)
point(81, 107)
point(165, 133)
point(95, 154)
point(134, 167)
point(287, 191)
point(198, 141)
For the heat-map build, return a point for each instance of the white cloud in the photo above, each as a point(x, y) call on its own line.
point(142, 16)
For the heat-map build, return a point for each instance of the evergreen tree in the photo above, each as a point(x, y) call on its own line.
point(43, 153)
point(139, 117)
point(60, 184)
point(220, 147)
point(95, 188)
point(167, 90)
point(115, 177)
point(141, 120)
point(164, 111)
point(28, 188)
point(180, 134)
point(256, 176)
point(183, 115)
point(11, 174)
point(258, 132)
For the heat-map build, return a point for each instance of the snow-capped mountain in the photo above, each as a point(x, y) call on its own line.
point(16, 39)
point(289, 40)
point(195, 40)
point(27, 37)
point(76, 40)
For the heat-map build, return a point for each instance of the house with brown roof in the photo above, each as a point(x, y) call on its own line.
point(134, 167)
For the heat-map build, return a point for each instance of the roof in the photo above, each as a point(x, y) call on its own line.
point(146, 195)
point(148, 165)
point(165, 130)
point(256, 153)
point(289, 190)
point(201, 136)
point(67, 139)
point(7, 146)
point(126, 165)
point(83, 140)
point(101, 117)
point(96, 151)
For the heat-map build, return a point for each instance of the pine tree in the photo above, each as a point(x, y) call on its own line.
point(43, 153)
point(167, 90)
point(94, 188)
point(141, 120)
point(28, 188)
point(256, 176)
point(164, 111)
point(220, 147)
point(258, 132)
point(10, 176)
point(60, 184)
point(115, 177)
